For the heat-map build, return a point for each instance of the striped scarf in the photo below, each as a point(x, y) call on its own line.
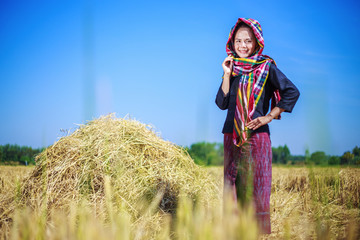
point(254, 71)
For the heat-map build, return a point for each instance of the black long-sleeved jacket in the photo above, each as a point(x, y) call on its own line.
point(276, 80)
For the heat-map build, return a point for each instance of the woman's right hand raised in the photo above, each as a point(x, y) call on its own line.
point(227, 65)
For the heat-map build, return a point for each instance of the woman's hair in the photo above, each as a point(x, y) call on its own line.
point(242, 24)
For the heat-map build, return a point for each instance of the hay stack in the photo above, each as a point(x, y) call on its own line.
point(138, 162)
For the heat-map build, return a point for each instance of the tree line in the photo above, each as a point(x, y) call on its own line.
point(208, 154)
point(18, 155)
point(203, 153)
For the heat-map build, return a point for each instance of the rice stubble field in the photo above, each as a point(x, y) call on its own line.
point(117, 179)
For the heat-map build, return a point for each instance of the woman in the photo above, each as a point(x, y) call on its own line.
point(250, 80)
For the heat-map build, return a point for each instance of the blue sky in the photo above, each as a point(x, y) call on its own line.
point(65, 62)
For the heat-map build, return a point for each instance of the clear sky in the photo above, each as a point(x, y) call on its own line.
point(65, 62)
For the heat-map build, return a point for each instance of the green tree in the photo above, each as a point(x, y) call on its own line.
point(356, 151)
point(318, 158)
point(285, 154)
point(346, 158)
point(25, 160)
point(205, 153)
point(281, 154)
point(334, 160)
point(275, 155)
point(18, 154)
point(295, 159)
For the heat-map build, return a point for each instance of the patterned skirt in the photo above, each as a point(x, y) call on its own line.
point(247, 174)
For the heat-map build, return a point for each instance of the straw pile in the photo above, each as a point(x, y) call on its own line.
point(137, 161)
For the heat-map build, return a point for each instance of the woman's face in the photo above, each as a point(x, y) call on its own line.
point(244, 42)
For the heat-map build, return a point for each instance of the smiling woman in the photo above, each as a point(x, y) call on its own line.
point(250, 81)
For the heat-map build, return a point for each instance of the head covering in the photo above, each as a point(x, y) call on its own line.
point(254, 71)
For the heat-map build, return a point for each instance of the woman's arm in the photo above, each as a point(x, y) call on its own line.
point(289, 95)
point(222, 97)
point(225, 86)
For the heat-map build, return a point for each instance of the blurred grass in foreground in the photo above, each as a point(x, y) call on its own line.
point(316, 203)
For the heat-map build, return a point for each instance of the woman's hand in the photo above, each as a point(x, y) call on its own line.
point(258, 122)
point(261, 121)
point(227, 65)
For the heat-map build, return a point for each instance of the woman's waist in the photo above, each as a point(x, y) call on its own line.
point(229, 127)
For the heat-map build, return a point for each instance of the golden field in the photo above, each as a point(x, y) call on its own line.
point(318, 203)
point(116, 178)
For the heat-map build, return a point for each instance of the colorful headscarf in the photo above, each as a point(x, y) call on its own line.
point(254, 71)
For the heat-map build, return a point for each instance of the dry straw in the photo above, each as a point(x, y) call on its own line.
point(139, 164)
